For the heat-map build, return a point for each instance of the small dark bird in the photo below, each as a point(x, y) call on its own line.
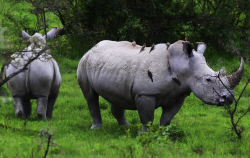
point(133, 43)
point(152, 47)
point(150, 75)
point(177, 80)
point(168, 44)
point(143, 47)
point(186, 39)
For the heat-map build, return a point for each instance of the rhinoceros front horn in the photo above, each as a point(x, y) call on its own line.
point(234, 78)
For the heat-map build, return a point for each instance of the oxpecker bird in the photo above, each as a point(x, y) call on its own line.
point(186, 39)
point(150, 75)
point(152, 48)
point(133, 43)
point(143, 47)
point(168, 44)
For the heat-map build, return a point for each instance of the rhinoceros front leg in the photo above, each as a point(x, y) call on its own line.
point(169, 112)
point(118, 113)
point(18, 107)
point(42, 107)
point(146, 107)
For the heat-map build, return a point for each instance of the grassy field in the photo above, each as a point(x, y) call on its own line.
point(198, 130)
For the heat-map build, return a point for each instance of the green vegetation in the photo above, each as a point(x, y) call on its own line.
point(197, 129)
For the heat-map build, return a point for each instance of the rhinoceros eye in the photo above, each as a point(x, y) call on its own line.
point(208, 79)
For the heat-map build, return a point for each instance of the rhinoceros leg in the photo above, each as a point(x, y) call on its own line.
point(146, 107)
point(169, 112)
point(42, 107)
point(93, 105)
point(118, 113)
point(18, 107)
point(50, 105)
point(27, 107)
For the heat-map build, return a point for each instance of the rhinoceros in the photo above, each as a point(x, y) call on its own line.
point(143, 81)
point(41, 81)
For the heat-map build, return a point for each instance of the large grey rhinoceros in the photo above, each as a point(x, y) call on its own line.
point(41, 81)
point(159, 77)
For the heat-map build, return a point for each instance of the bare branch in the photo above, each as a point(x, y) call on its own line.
point(2, 82)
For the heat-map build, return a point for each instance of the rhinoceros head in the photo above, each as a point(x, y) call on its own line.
point(37, 39)
point(211, 87)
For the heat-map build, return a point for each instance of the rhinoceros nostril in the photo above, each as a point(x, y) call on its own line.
point(222, 100)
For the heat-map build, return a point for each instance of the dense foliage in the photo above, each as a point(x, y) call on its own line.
point(216, 22)
point(221, 24)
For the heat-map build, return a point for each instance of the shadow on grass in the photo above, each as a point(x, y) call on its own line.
point(26, 131)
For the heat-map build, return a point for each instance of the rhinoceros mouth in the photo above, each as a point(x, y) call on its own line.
point(225, 100)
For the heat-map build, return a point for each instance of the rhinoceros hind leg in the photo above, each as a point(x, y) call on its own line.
point(119, 115)
point(96, 126)
point(18, 107)
point(42, 107)
point(50, 105)
point(27, 107)
point(146, 107)
point(169, 113)
point(93, 104)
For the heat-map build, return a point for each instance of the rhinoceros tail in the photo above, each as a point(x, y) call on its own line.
point(27, 79)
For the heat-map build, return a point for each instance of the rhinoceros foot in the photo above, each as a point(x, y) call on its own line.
point(96, 126)
point(41, 116)
point(19, 114)
point(124, 122)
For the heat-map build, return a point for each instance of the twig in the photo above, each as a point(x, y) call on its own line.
point(47, 150)
point(2, 82)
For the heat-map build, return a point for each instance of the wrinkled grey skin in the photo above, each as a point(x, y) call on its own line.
point(41, 81)
point(119, 73)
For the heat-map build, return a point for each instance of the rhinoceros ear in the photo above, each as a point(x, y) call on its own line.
point(51, 33)
point(201, 47)
point(222, 72)
point(188, 48)
point(25, 35)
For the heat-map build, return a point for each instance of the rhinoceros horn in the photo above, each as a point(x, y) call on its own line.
point(51, 33)
point(25, 35)
point(234, 78)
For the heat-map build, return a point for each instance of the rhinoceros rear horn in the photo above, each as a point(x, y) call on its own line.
point(25, 35)
point(188, 48)
point(222, 72)
point(234, 78)
point(51, 33)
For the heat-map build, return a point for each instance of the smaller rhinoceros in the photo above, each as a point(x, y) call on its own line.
point(41, 81)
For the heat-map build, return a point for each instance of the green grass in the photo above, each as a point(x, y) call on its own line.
point(203, 130)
